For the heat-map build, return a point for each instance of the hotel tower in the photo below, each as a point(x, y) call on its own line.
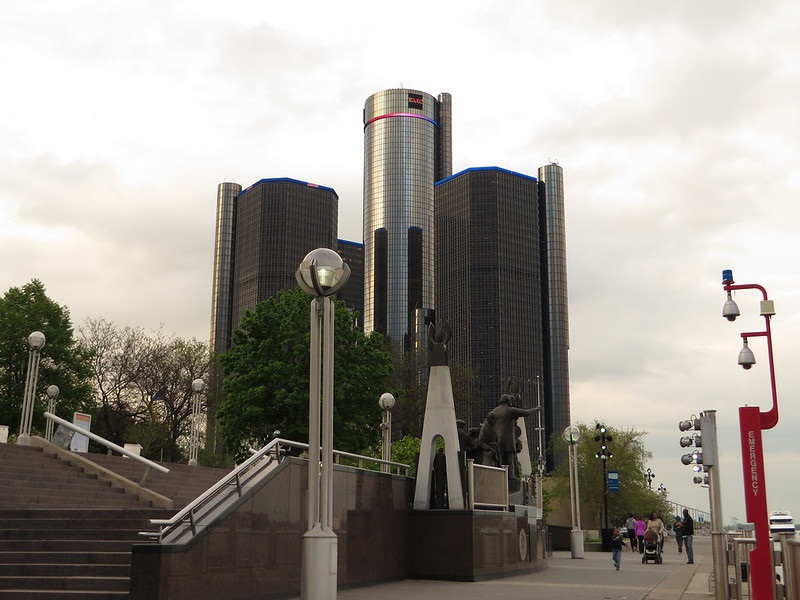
point(407, 149)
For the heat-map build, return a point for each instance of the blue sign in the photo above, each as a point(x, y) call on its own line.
point(613, 481)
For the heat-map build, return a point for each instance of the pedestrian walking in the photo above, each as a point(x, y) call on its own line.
point(656, 525)
point(688, 535)
point(630, 525)
point(641, 527)
point(678, 529)
point(617, 543)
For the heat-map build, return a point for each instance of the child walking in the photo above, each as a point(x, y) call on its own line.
point(616, 548)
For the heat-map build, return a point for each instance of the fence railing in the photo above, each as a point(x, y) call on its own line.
point(202, 511)
point(111, 445)
point(786, 562)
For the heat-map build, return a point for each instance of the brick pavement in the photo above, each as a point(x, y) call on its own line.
point(590, 578)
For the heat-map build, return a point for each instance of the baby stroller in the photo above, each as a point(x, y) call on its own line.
point(652, 548)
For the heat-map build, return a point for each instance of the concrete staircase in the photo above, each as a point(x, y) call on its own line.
point(66, 531)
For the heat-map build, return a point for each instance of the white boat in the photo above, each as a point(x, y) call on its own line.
point(781, 521)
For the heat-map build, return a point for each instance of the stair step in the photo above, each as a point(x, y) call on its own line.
point(12, 535)
point(65, 557)
point(65, 570)
point(66, 533)
point(62, 595)
point(117, 584)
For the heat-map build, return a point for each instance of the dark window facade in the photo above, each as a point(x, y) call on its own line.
point(489, 282)
point(352, 294)
point(278, 222)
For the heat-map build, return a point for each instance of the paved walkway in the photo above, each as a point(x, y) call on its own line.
point(590, 578)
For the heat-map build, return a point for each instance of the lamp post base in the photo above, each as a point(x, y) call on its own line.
point(576, 543)
point(319, 569)
point(23, 440)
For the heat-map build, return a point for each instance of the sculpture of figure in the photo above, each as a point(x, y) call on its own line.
point(487, 443)
point(505, 427)
point(466, 442)
point(439, 480)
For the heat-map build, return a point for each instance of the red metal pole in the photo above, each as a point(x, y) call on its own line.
point(751, 422)
point(755, 500)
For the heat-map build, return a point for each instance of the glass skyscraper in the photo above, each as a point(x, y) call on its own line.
point(556, 376)
point(407, 148)
point(278, 222)
point(500, 261)
point(488, 281)
point(222, 283)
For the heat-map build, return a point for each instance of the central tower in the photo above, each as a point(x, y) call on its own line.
point(407, 149)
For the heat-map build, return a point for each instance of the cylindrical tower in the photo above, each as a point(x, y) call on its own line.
point(407, 148)
point(556, 392)
point(221, 294)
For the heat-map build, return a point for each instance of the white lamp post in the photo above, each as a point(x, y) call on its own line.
point(194, 436)
point(52, 394)
point(321, 274)
point(36, 342)
point(386, 402)
point(572, 435)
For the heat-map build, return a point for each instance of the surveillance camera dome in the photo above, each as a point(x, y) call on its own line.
point(731, 317)
point(746, 366)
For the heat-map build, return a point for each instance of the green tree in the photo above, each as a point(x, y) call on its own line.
point(267, 376)
point(63, 361)
point(629, 460)
point(144, 386)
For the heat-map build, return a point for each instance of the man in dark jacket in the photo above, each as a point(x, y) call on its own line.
point(678, 529)
point(687, 531)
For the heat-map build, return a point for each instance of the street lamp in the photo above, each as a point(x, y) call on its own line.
point(194, 437)
point(386, 402)
point(321, 274)
point(751, 422)
point(36, 341)
point(572, 436)
point(603, 454)
point(649, 475)
point(52, 394)
point(662, 490)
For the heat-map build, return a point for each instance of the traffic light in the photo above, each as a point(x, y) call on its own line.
point(704, 440)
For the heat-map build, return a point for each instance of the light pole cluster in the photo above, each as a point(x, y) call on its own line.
point(751, 422)
point(604, 454)
point(703, 459)
point(649, 476)
point(321, 274)
point(36, 341)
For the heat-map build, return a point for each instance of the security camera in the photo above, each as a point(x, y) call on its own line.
point(730, 310)
point(746, 357)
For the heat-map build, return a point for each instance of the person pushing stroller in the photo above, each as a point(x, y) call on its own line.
point(653, 539)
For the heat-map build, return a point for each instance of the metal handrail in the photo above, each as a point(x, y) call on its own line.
point(100, 440)
point(401, 468)
point(272, 451)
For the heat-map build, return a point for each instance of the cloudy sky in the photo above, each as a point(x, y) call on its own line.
point(676, 124)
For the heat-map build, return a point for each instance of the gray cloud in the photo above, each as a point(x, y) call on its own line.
point(676, 126)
